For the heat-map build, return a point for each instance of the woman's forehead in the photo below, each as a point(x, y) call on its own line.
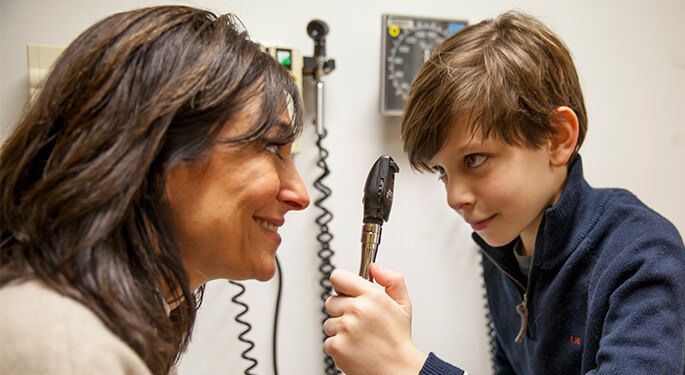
point(248, 116)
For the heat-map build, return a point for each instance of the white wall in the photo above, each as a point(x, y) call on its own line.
point(631, 59)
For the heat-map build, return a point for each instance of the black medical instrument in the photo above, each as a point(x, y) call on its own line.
point(378, 195)
point(317, 67)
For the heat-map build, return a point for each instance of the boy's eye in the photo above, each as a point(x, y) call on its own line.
point(475, 160)
point(439, 170)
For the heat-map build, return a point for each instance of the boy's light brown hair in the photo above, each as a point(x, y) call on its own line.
point(501, 77)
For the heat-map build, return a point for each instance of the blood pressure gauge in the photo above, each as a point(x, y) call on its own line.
point(407, 42)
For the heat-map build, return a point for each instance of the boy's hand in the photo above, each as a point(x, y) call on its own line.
point(370, 330)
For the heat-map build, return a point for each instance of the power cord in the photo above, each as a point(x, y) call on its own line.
point(274, 341)
point(239, 319)
point(324, 237)
point(489, 325)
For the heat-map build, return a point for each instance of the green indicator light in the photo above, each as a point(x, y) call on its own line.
point(284, 57)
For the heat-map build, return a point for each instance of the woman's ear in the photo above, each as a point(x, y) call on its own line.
point(563, 141)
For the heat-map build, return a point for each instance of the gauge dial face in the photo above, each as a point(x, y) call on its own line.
point(407, 43)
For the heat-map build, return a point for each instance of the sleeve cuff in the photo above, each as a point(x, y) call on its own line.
point(436, 366)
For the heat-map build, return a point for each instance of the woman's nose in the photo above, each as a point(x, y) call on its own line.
point(293, 191)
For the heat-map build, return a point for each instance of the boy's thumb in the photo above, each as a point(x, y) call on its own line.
point(394, 285)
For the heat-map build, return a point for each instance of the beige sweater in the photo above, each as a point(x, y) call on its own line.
point(43, 332)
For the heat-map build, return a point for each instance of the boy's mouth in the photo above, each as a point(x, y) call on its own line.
point(481, 224)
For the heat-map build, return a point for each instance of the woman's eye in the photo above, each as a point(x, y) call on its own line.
point(273, 149)
point(475, 160)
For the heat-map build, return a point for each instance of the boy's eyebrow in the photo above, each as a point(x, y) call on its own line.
point(471, 143)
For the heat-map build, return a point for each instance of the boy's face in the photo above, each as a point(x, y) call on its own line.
point(501, 190)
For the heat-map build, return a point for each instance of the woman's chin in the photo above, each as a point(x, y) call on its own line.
point(266, 272)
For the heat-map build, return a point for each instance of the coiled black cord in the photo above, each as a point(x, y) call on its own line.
point(248, 326)
point(239, 319)
point(489, 325)
point(324, 237)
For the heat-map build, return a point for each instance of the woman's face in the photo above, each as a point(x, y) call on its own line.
point(228, 206)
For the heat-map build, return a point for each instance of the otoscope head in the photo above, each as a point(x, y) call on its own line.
point(378, 194)
point(318, 30)
point(378, 191)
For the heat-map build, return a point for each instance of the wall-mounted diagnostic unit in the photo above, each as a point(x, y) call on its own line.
point(291, 59)
point(407, 42)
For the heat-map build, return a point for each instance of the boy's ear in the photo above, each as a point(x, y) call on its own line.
point(563, 141)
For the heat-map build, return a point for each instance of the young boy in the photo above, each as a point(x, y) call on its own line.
point(579, 280)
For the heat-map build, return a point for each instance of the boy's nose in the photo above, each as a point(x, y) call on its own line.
point(459, 196)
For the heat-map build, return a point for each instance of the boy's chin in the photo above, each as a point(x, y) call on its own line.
point(496, 241)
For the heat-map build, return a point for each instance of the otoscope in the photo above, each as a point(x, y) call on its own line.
point(378, 194)
point(318, 66)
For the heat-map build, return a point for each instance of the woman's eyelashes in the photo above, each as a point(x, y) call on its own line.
point(275, 149)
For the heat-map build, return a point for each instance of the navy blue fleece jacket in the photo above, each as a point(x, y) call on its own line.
point(605, 293)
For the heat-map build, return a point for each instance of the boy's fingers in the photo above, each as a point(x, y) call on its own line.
point(337, 305)
point(394, 284)
point(347, 283)
point(330, 326)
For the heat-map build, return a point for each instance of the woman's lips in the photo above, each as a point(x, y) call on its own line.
point(271, 228)
point(267, 225)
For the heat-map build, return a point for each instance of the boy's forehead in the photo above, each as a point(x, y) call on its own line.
point(460, 138)
point(462, 135)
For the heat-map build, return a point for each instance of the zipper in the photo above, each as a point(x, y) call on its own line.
point(521, 308)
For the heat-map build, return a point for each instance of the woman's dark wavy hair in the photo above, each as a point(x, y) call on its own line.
point(82, 177)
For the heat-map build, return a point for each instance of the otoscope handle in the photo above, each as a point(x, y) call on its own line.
point(371, 238)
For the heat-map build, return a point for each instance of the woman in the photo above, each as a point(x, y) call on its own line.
point(156, 158)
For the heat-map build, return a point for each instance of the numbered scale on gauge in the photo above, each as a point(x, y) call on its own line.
point(407, 43)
